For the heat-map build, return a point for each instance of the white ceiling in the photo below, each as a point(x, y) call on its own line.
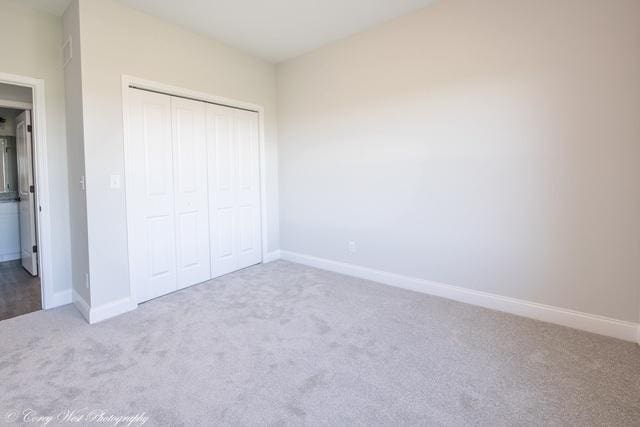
point(271, 29)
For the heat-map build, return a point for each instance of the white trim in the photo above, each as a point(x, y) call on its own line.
point(178, 91)
point(5, 103)
point(41, 178)
point(602, 325)
point(111, 309)
point(103, 312)
point(271, 256)
point(263, 181)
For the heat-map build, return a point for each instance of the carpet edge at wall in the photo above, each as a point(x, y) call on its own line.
point(621, 329)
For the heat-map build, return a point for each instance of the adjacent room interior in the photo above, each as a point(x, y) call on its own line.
point(354, 212)
point(20, 291)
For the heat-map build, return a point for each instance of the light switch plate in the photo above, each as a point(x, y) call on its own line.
point(115, 181)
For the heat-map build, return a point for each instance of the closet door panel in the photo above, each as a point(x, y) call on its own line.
point(191, 193)
point(223, 155)
point(150, 182)
point(248, 189)
point(224, 233)
point(159, 241)
point(222, 181)
point(245, 229)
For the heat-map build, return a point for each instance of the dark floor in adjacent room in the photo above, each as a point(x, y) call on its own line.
point(19, 291)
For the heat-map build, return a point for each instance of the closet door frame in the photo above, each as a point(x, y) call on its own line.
point(140, 83)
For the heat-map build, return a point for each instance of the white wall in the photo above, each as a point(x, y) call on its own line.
point(492, 145)
point(75, 152)
point(33, 41)
point(117, 40)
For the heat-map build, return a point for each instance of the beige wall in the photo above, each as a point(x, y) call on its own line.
point(75, 150)
point(115, 41)
point(32, 41)
point(490, 144)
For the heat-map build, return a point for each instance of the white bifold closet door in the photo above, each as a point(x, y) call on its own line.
point(234, 188)
point(193, 192)
point(168, 212)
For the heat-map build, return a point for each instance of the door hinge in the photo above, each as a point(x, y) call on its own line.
point(29, 128)
point(32, 189)
point(34, 249)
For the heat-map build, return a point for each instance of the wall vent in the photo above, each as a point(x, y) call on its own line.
point(67, 51)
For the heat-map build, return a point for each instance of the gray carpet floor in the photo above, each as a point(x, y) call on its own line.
point(285, 344)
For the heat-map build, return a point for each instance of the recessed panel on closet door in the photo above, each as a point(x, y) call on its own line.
point(151, 207)
point(191, 194)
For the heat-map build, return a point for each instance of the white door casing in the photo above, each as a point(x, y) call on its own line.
point(26, 193)
point(54, 294)
point(190, 184)
point(153, 228)
point(234, 191)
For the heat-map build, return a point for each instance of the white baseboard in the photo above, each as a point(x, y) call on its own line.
point(112, 309)
point(602, 325)
point(60, 298)
point(271, 256)
point(103, 312)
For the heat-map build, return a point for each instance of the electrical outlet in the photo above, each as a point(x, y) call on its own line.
point(352, 247)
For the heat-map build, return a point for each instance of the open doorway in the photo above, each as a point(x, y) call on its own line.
point(20, 285)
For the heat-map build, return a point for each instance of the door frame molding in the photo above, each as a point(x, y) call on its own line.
point(128, 80)
point(41, 173)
